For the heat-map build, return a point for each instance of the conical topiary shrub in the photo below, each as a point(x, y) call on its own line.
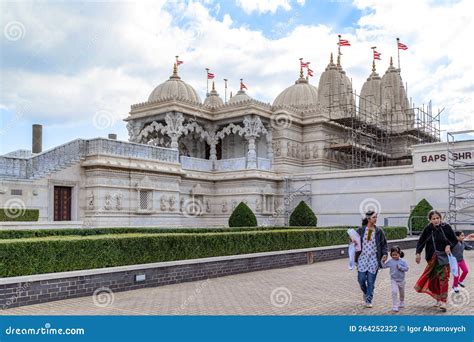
point(242, 216)
point(303, 216)
point(419, 216)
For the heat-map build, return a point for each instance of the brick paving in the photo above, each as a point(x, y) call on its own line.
point(325, 288)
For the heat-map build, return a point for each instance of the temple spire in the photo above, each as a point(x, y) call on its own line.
point(331, 61)
point(213, 87)
point(373, 65)
point(391, 61)
point(175, 71)
point(338, 59)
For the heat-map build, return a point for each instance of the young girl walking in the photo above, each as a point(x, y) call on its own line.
point(398, 267)
point(458, 252)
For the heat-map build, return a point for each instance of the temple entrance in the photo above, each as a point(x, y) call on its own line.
point(62, 203)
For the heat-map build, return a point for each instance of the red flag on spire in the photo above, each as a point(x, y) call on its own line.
point(304, 64)
point(402, 46)
point(344, 42)
point(210, 75)
point(310, 72)
point(242, 85)
point(178, 62)
point(377, 55)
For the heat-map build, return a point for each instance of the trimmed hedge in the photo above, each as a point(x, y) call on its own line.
point(29, 233)
point(24, 256)
point(420, 215)
point(303, 216)
point(242, 216)
point(18, 214)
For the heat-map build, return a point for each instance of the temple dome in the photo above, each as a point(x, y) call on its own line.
point(300, 95)
point(213, 99)
point(241, 96)
point(175, 88)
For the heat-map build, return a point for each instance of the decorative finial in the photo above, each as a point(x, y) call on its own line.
point(373, 65)
point(213, 87)
point(175, 70)
point(391, 61)
point(331, 61)
point(338, 59)
point(301, 72)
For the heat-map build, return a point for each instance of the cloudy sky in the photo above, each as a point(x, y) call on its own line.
point(76, 67)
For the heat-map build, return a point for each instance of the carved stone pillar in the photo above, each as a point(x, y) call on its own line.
point(252, 128)
point(174, 128)
point(270, 146)
point(252, 153)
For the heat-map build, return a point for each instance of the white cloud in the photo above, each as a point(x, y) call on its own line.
point(263, 6)
point(130, 59)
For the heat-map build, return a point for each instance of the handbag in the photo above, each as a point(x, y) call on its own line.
point(441, 255)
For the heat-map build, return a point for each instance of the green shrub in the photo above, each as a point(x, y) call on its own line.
point(67, 253)
point(14, 215)
point(28, 233)
point(303, 216)
point(419, 216)
point(242, 216)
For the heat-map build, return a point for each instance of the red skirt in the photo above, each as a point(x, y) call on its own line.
point(434, 280)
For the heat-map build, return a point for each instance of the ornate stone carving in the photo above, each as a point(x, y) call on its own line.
point(163, 201)
point(172, 202)
point(118, 203)
point(224, 206)
point(181, 204)
point(277, 148)
point(234, 204)
point(208, 206)
point(108, 202)
point(90, 201)
point(315, 151)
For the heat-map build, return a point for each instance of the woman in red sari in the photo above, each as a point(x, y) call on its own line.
point(438, 238)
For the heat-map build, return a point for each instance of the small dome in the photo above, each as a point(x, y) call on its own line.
point(174, 88)
point(371, 96)
point(241, 96)
point(300, 95)
point(335, 89)
point(213, 99)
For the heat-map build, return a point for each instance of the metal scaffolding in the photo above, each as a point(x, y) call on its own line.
point(366, 138)
point(293, 196)
point(460, 180)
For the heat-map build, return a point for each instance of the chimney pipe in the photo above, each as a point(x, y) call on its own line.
point(113, 136)
point(37, 139)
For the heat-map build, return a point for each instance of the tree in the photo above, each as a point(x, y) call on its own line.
point(242, 216)
point(303, 216)
point(419, 216)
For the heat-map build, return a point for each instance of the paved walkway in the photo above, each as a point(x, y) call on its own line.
point(326, 288)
